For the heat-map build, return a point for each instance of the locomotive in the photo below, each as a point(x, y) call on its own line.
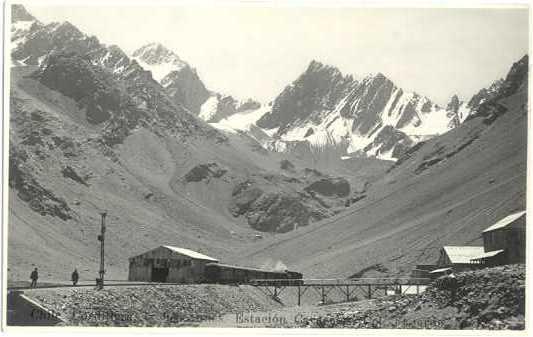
point(227, 274)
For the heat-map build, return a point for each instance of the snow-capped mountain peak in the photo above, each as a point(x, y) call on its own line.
point(184, 86)
point(158, 59)
point(372, 116)
point(156, 53)
point(179, 79)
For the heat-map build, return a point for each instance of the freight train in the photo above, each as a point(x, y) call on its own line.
point(225, 274)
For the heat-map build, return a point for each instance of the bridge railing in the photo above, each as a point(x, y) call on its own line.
point(340, 282)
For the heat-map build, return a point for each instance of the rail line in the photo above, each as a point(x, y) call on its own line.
point(253, 282)
point(351, 281)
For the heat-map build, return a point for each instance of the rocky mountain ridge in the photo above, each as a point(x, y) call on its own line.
point(113, 85)
point(371, 117)
point(323, 110)
point(183, 84)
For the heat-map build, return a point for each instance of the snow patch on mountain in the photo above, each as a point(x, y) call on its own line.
point(21, 26)
point(209, 108)
point(241, 121)
point(159, 71)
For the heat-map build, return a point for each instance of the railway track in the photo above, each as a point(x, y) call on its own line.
point(255, 282)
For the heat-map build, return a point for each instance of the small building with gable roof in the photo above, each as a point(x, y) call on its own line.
point(505, 241)
point(169, 264)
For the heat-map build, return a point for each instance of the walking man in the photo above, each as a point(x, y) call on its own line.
point(75, 277)
point(34, 276)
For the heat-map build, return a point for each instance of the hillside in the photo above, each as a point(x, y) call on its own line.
point(91, 130)
point(158, 186)
point(443, 192)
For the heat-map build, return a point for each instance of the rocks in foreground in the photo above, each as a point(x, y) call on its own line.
point(157, 305)
point(491, 298)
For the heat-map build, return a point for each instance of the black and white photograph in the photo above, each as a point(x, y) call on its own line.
point(299, 166)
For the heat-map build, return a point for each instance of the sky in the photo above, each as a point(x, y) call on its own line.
point(256, 50)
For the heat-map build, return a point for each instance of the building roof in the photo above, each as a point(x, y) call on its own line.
point(505, 221)
point(488, 254)
point(190, 253)
point(463, 254)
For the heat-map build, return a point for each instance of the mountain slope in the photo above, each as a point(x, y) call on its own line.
point(91, 130)
point(65, 168)
point(444, 191)
point(159, 185)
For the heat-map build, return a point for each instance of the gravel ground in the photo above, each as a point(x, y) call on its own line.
point(161, 305)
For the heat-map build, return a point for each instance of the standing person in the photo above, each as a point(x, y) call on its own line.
point(75, 277)
point(34, 276)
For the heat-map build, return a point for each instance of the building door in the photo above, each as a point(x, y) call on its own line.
point(159, 274)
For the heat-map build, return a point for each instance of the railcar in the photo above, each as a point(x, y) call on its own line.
point(226, 274)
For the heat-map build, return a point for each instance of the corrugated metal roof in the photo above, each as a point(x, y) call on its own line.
point(505, 221)
point(190, 253)
point(489, 254)
point(463, 254)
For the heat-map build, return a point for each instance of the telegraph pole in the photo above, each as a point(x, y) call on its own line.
point(100, 281)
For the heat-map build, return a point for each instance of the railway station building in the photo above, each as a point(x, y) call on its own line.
point(169, 264)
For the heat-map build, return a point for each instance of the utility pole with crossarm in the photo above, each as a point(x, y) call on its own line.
point(101, 237)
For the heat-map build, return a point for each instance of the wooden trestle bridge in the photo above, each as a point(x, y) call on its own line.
point(350, 289)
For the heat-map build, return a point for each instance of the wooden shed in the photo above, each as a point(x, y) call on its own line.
point(169, 264)
point(458, 257)
point(505, 241)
